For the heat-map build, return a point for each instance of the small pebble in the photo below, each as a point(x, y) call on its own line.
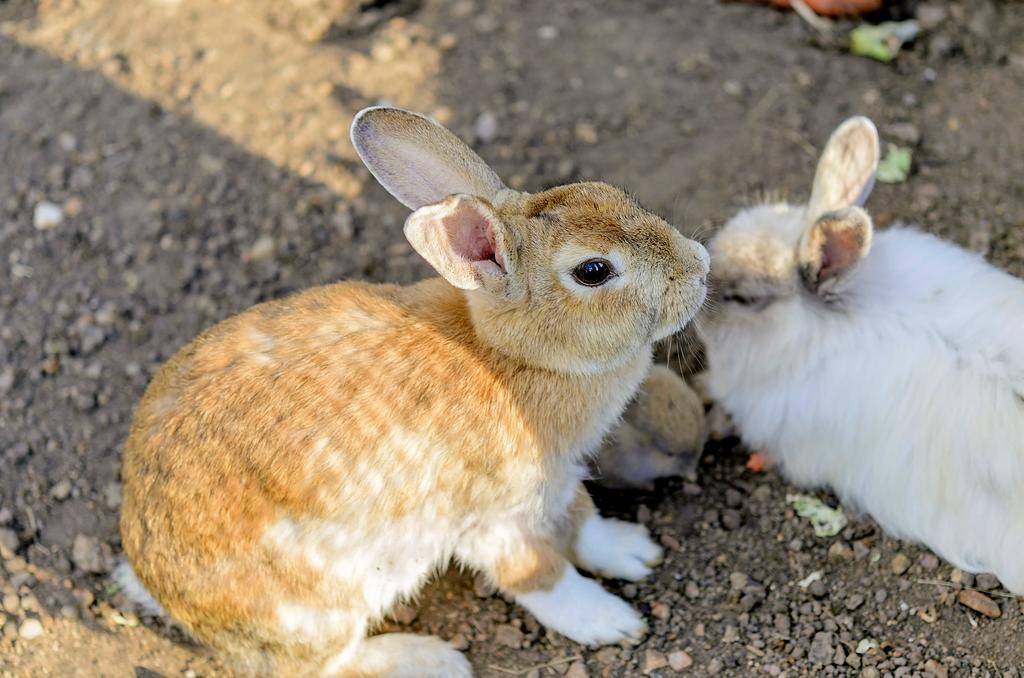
point(854, 602)
point(67, 141)
point(30, 629)
point(731, 519)
point(459, 642)
point(486, 127)
point(90, 555)
point(660, 610)
point(905, 133)
point(900, 564)
point(9, 539)
point(821, 651)
point(979, 602)
point(577, 670)
point(61, 490)
point(261, 250)
point(47, 215)
point(692, 489)
point(738, 580)
point(680, 661)
point(112, 495)
point(840, 551)
point(670, 542)
point(929, 562)
point(7, 378)
point(817, 589)
point(482, 588)
point(547, 32)
point(986, 582)
point(405, 614)
point(586, 133)
point(508, 636)
point(930, 15)
point(653, 660)
point(11, 603)
point(962, 578)
point(731, 634)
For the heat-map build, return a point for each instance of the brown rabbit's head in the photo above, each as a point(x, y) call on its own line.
point(578, 278)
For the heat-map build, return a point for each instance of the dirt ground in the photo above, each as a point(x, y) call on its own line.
point(197, 151)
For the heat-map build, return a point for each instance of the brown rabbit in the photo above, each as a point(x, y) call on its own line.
point(301, 467)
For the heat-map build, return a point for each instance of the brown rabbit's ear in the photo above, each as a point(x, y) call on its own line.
point(417, 160)
point(846, 170)
point(464, 240)
point(832, 247)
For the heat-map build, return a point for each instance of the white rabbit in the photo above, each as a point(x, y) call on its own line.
point(890, 368)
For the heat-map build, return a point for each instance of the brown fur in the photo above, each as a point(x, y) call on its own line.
point(290, 411)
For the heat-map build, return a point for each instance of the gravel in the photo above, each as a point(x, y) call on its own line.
point(168, 173)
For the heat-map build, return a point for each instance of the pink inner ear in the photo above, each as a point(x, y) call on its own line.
point(839, 251)
point(472, 238)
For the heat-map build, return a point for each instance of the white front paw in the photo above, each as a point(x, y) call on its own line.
point(614, 548)
point(580, 609)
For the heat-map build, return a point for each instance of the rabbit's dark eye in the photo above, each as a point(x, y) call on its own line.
point(593, 272)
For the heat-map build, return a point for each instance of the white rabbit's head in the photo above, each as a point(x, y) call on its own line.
point(772, 256)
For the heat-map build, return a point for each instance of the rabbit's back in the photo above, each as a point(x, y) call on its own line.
point(925, 282)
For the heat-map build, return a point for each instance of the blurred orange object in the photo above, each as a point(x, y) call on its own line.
point(757, 462)
point(833, 7)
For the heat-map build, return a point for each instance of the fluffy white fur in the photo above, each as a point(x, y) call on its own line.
point(130, 585)
point(903, 390)
point(615, 548)
point(581, 609)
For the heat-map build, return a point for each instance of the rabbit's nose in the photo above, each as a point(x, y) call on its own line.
point(703, 259)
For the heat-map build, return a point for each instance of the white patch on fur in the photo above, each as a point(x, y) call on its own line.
point(124, 575)
point(899, 397)
point(580, 609)
point(614, 548)
point(384, 567)
point(317, 623)
point(262, 345)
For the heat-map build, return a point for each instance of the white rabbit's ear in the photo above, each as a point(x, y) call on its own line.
point(832, 247)
point(846, 170)
point(464, 240)
point(417, 160)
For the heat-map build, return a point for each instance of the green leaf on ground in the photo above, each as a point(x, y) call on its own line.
point(895, 166)
point(882, 42)
point(826, 521)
